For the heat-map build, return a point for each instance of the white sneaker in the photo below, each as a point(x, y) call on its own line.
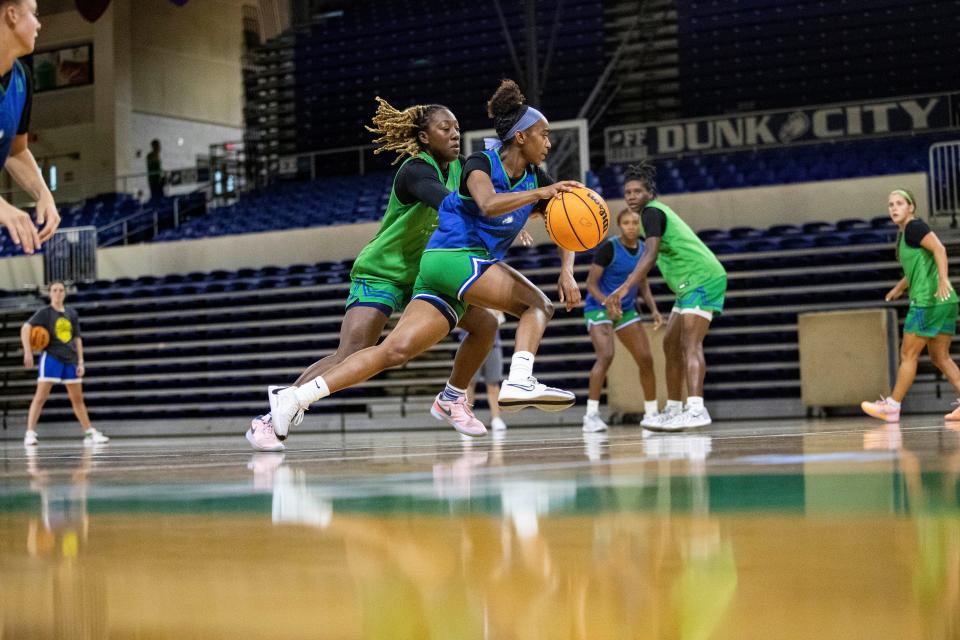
point(92, 436)
point(595, 445)
point(515, 395)
point(592, 422)
point(654, 420)
point(497, 424)
point(649, 417)
point(689, 419)
point(273, 392)
point(30, 438)
point(285, 411)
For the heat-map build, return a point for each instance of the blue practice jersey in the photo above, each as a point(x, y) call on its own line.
point(463, 225)
point(615, 274)
point(12, 103)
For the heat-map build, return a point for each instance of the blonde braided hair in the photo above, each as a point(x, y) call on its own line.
point(399, 130)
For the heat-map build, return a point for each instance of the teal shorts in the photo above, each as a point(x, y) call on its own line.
point(706, 300)
point(446, 274)
point(929, 322)
point(379, 294)
point(599, 316)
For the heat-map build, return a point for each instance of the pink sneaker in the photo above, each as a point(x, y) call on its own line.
point(953, 416)
point(458, 414)
point(261, 437)
point(881, 410)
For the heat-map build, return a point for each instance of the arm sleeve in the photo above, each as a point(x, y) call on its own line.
point(654, 222)
point(39, 318)
point(915, 232)
point(476, 162)
point(543, 179)
point(604, 255)
point(417, 181)
point(28, 103)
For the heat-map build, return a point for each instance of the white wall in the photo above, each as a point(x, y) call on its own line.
point(758, 207)
point(187, 86)
point(187, 60)
point(181, 142)
point(160, 71)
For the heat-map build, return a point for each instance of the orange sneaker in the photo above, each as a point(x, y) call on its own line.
point(881, 410)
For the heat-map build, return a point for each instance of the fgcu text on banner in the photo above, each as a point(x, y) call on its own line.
point(778, 128)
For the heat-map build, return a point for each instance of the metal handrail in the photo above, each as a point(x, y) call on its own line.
point(124, 223)
point(312, 155)
point(943, 180)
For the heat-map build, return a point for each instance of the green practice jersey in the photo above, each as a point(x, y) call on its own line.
point(683, 259)
point(394, 253)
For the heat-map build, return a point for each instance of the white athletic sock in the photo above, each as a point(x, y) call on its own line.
point(521, 366)
point(312, 391)
point(650, 407)
point(694, 402)
point(676, 405)
point(593, 407)
point(451, 393)
point(893, 403)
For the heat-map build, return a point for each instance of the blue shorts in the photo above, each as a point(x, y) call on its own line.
point(52, 370)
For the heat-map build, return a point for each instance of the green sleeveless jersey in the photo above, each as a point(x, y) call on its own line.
point(685, 262)
point(394, 253)
point(920, 269)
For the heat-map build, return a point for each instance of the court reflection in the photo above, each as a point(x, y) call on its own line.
point(536, 558)
point(627, 536)
point(933, 503)
point(74, 592)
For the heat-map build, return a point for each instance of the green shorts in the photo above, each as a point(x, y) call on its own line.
point(706, 300)
point(928, 322)
point(378, 293)
point(599, 316)
point(446, 274)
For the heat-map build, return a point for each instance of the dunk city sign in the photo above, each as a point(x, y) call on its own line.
point(785, 127)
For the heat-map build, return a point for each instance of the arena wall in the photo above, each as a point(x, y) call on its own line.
point(160, 71)
point(758, 207)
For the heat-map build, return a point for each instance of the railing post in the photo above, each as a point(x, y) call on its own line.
point(125, 239)
point(176, 213)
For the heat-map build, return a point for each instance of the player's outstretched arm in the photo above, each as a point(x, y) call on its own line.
point(651, 303)
point(567, 287)
point(641, 270)
point(23, 167)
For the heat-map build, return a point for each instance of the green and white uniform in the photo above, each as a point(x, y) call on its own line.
point(688, 266)
point(383, 274)
point(927, 316)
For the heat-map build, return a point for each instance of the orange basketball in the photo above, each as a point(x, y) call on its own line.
point(39, 338)
point(577, 220)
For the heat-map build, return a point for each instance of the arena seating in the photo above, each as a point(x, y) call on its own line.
point(206, 344)
point(143, 220)
point(338, 200)
point(762, 54)
point(313, 88)
point(857, 159)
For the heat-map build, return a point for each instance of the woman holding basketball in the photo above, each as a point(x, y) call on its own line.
point(61, 360)
point(499, 189)
point(698, 279)
point(383, 274)
point(932, 319)
point(613, 261)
